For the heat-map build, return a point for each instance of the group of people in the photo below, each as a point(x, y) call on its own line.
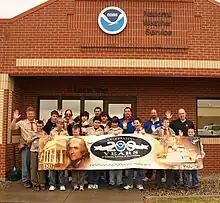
point(99, 124)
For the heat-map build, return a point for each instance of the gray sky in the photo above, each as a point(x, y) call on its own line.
point(11, 8)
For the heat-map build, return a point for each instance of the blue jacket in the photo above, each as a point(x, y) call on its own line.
point(130, 125)
point(148, 124)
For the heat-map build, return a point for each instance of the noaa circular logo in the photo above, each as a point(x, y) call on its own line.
point(112, 20)
point(120, 146)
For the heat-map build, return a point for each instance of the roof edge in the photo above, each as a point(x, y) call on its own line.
point(214, 2)
point(29, 11)
point(36, 8)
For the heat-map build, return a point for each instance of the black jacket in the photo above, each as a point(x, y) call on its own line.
point(183, 126)
point(49, 126)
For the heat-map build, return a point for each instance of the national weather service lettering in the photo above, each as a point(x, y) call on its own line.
point(112, 20)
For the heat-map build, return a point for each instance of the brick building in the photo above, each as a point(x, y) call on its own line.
point(167, 57)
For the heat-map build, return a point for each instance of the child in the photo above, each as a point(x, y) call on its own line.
point(115, 130)
point(105, 122)
point(38, 178)
point(105, 125)
point(138, 131)
point(51, 123)
point(78, 176)
point(94, 175)
point(83, 123)
point(194, 173)
point(164, 131)
point(58, 131)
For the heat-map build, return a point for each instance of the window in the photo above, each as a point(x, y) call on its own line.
point(113, 105)
point(46, 106)
point(74, 105)
point(91, 104)
point(208, 112)
point(117, 109)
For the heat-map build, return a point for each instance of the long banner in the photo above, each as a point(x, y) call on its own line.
point(119, 152)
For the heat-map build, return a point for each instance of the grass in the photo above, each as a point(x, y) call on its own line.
point(184, 200)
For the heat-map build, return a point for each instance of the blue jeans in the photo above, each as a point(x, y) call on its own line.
point(117, 174)
point(53, 178)
point(25, 164)
point(186, 177)
point(93, 177)
point(139, 176)
point(176, 177)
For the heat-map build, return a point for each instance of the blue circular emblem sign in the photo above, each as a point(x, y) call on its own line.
point(112, 20)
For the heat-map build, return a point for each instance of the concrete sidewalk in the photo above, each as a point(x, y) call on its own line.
point(17, 193)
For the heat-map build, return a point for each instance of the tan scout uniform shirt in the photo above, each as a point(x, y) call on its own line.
point(140, 132)
point(93, 131)
point(55, 132)
point(160, 131)
point(115, 131)
point(26, 129)
point(35, 144)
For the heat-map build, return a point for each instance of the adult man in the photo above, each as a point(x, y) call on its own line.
point(28, 127)
point(97, 112)
point(150, 126)
point(180, 127)
point(182, 124)
point(126, 123)
point(51, 123)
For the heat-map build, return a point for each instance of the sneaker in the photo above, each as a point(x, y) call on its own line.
point(145, 179)
point(90, 186)
point(36, 188)
point(42, 187)
point(52, 188)
point(195, 186)
point(95, 187)
point(27, 184)
point(186, 187)
point(81, 188)
point(62, 188)
point(128, 187)
point(163, 180)
point(140, 187)
point(75, 187)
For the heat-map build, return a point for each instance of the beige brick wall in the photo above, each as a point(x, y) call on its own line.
point(122, 63)
point(1, 114)
point(6, 83)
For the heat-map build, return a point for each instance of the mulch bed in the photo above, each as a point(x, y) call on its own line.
point(209, 185)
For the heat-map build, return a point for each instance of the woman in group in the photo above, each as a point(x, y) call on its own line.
point(68, 121)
